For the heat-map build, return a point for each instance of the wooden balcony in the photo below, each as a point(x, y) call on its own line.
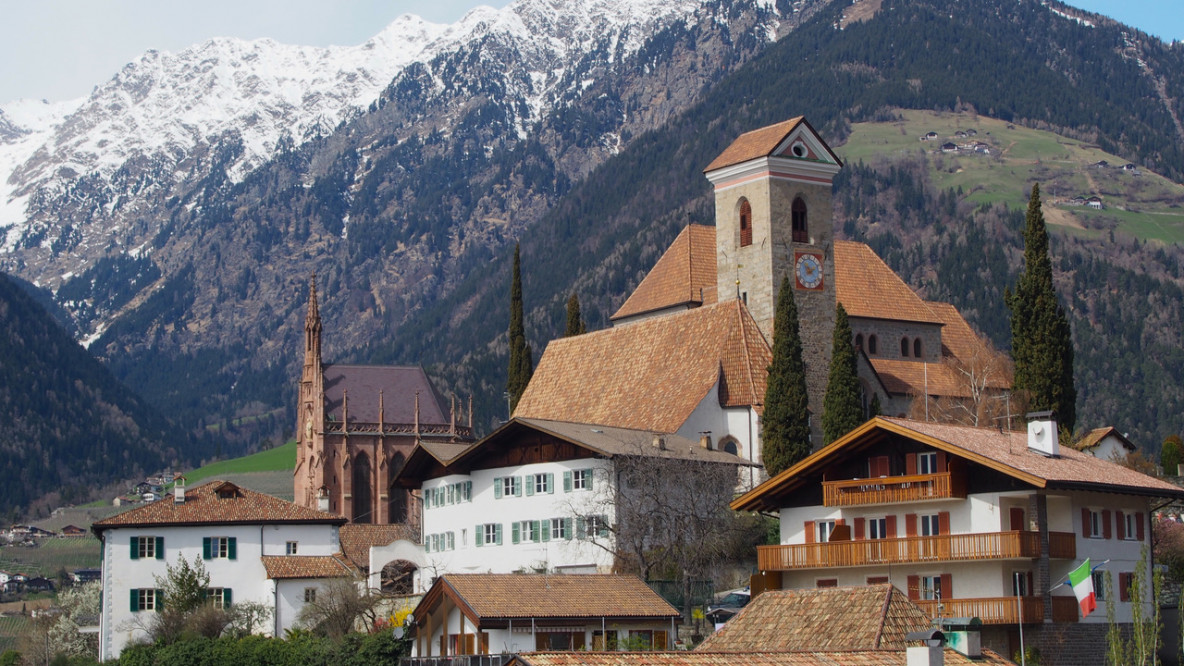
point(945, 548)
point(1004, 610)
point(892, 489)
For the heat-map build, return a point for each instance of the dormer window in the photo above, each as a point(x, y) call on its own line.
point(745, 223)
point(801, 232)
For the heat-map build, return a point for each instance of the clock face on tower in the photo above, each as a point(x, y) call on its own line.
point(808, 270)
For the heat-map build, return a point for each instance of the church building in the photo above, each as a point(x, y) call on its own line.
point(356, 425)
point(689, 349)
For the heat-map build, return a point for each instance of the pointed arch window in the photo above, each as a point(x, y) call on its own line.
point(745, 223)
point(917, 348)
point(397, 497)
point(859, 341)
point(363, 510)
point(871, 345)
point(904, 347)
point(801, 232)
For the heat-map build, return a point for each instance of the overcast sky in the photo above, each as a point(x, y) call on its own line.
point(60, 49)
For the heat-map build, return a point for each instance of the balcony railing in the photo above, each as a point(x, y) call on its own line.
point(944, 548)
point(1003, 610)
point(891, 489)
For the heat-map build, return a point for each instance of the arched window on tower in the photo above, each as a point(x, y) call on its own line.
point(363, 511)
point(917, 347)
point(859, 341)
point(396, 496)
point(801, 232)
point(745, 223)
point(904, 347)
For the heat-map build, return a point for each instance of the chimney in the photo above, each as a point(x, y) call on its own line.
point(179, 489)
point(705, 440)
point(1042, 434)
point(323, 500)
point(659, 442)
point(963, 635)
point(929, 653)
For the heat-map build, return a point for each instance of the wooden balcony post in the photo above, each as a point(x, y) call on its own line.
point(1043, 567)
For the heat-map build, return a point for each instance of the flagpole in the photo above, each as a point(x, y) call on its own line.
point(1019, 617)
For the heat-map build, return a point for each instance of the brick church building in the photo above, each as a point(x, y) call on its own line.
point(356, 425)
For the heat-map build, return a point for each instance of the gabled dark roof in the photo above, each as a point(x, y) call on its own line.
point(398, 386)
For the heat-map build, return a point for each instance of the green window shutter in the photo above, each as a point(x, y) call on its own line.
point(581, 527)
point(468, 491)
point(226, 598)
point(517, 486)
point(603, 524)
point(537, 531)
point(135, 552)
point(159, 600)
point(480, 532)
point(498, 531)
point(529, 480)
point(550, 483)
point(205, 593)
point(135, 595)
point(567, 481)
point(567, 532)
point(546, 530)
point(205, 548)
point(588, 482)
point(232, 548)
point(427, 499)
point(160, 548)
point(515, 532)
point(497, 487)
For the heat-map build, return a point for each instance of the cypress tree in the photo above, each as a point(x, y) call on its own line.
point(842, 407)
point(1041, 342)
point(575, 324)
point(785, 425)
point(521, 364)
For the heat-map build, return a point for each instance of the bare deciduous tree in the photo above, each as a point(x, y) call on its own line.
point(340, 606)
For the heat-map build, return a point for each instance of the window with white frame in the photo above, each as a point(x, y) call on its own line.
point(931, 587)
point(507, 486)
point(145, 599)
point(594, 526)
point(290, 548)
point(561, 528)
point(930, 525)
point(824, 528)
point(877, 528)
point(489, 534)
point(1095, 524)
point(219, 597)
point(927, 463)
point(147, 548)
point(541, 483)
point(1130, 527)
point(581, 479)
point(219, 548)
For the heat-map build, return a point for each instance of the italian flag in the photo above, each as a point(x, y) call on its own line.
point(1083, 586)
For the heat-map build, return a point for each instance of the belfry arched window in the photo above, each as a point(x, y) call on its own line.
point(801, 232)
point(917, 347)
point(904, 347)
point(745, 223)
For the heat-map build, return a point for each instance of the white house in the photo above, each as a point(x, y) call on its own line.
point(472, 614)
point(533, 495)
point(965, 520)
point(255, 547)
point(1108, 444)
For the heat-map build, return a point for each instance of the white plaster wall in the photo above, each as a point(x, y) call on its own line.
point(289, 601)
point(739, 423)
point(463, 518)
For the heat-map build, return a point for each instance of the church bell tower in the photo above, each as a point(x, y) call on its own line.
point(310, 417)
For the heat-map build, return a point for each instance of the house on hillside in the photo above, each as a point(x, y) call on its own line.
point(929, 136)
point(255, 548)
point(73, 531)
point(1094, 202)
point(699, 325)
point(949, 147)
point(540, 495)
point(964, 520)
point(1108, 444)
point(482, 614)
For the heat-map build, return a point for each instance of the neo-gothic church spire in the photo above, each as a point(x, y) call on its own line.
point(312, 327)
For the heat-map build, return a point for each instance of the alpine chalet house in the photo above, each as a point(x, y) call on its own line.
point(965, 520)
point(690, 347)
point(534, 495)
point(253, 546)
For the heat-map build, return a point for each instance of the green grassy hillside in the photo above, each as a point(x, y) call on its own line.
point(1140, 203)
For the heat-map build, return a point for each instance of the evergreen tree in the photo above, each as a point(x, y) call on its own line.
point(575, 324)
point(842, 407)
point(1171, 455)
point(521, 362)
point(785, 426)
point(1041, 343)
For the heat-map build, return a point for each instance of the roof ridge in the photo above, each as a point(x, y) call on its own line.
point(883, 617)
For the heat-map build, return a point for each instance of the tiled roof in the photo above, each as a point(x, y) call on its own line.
point(684, 275)
point(493, 596)
point(217, 502)
point(868, 288)
point(358, 538)
point(757, 143)
point(914, 377)
point(611, 442)
point(307, 566)
point(838, 618)
point(697, 658)
point(622, 376)
point(1003, 451)
point(398, 385)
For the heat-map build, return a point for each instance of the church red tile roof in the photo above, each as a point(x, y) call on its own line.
point(684, 275)
point(868, 288)
point(398, 385)
point(307, 566)
point(621, 376)
point(217, 502)
point(757, 143)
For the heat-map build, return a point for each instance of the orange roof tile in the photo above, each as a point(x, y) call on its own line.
point(494, 596)
point(357, 539)
point(622, 376)
point(218, 502)
point(838, 618)
point(868, 288)
point(697, 658)
point(684, 275)
point(915, 377)
point(307, 566)
point(757, 143)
